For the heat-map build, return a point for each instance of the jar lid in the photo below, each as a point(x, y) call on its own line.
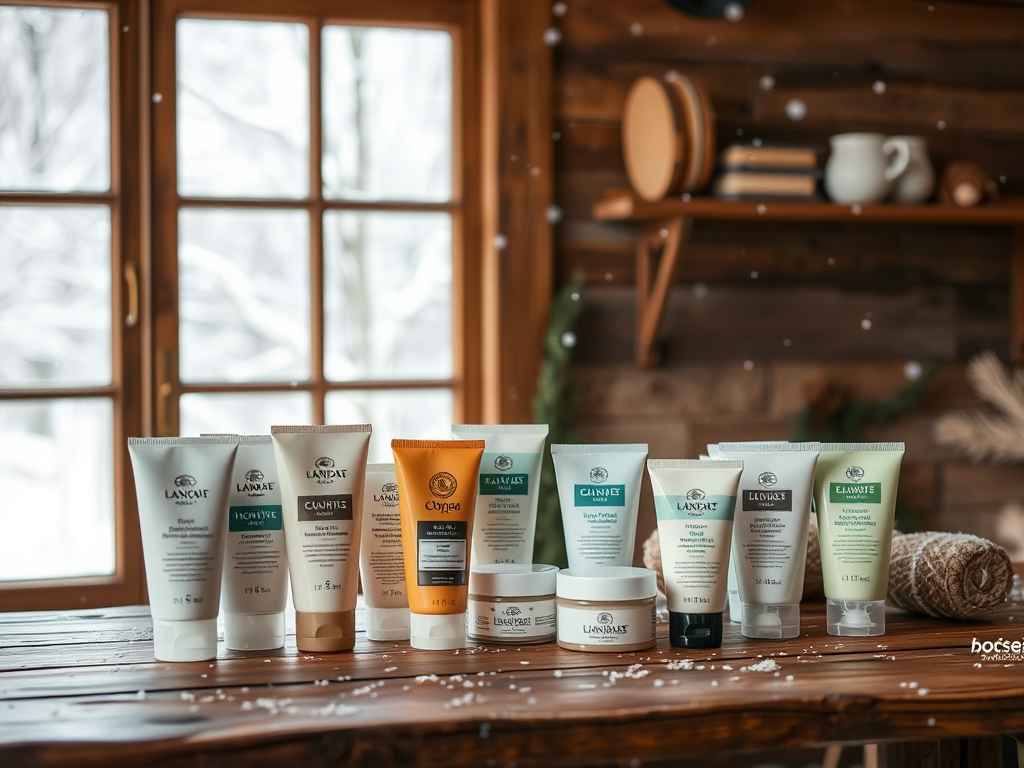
point(607, 582)
point(512, 579)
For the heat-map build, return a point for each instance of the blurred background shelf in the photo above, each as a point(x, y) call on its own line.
point(623, 205)
point(666, 224)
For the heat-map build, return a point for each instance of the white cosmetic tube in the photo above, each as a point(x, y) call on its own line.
point(735, 606)
point(599, 492)
point(255, 588)
point(183, 486)
point(323, 472)
point(381, 563)
point(695, 502)
point(773, 514)
point(506, 502)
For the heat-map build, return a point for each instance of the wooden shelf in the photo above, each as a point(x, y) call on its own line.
point(666, 224)
point(623, 205)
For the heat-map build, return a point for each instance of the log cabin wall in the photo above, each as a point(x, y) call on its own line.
point(762, 310)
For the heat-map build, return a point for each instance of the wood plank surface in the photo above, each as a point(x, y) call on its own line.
point(844, 254)
point(386, 704)
point(908, 37)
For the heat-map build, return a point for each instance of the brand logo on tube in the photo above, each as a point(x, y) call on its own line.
point(443, 485)
point(855, 473)
point(185, 493)
point(695, 503)
point(767, 479)
point(599, 474)
point(255, 484)
point(503, 463)
point(324, 472)
point(388, 495)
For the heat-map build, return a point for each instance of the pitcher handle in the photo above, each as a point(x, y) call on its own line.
point(900, 151)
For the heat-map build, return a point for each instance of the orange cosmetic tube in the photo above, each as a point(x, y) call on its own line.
point(437, 489)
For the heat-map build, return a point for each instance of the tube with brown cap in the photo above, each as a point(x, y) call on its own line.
point(322, 471)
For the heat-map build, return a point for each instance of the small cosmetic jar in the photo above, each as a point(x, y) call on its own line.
point(511, 603)
point(606, 609)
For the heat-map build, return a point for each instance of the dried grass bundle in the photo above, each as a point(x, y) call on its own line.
point(997, 438)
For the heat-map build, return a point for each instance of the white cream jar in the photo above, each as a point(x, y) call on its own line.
point(512, 603)
point(606, 609)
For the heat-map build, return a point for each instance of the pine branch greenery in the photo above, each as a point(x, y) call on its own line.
point(555, 404)
point(996, 437)
point(845, 421)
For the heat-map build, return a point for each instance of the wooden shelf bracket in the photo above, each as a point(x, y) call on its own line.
point(658, 254)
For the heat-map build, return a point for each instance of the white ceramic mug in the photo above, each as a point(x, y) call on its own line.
point(917, 182)
point(863, 166)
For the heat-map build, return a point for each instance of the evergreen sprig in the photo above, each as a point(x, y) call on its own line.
point(555, 404)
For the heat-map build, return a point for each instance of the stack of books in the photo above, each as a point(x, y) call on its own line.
point(763, 170)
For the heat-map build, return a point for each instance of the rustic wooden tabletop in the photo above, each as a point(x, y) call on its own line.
point(81, 688)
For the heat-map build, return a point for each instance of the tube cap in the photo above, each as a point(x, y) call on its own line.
point(185, 640)
point(325, 632)
point(855, 618)
point(735, 607)
point(770, 621)
point(254, 631)
point(431, 632)
point(695, 630)
point(387, 623)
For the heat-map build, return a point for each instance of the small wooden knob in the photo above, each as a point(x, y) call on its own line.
point(966, 194)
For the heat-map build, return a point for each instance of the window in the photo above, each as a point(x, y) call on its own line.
point(309, 239)
point(309, 244)
point(69, 341)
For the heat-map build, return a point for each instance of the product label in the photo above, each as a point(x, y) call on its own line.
point(756, 501)
point(695, 557)
point(255, 518)
point(335, 507)
point(528, 620)
point(503, 532)
point(855, 493)
point(856, 538)
point(512, 484)
point(695, 505)
point(619, 626)
point(600, 495)
point(383, 569)
point(441, 553)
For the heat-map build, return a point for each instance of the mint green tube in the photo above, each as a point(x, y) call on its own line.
point(855, 494)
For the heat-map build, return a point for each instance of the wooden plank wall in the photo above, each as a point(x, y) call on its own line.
point(791, 298)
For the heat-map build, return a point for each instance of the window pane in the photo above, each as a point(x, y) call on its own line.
point(243, 295)
point(387, 295)
point(387, 104)
point(57, 476)
point(414, 414)
point(243, 109)
point(54, 99)
point(54, 296)
point(248, 413)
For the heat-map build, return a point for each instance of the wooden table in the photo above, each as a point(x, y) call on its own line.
point(81, 688)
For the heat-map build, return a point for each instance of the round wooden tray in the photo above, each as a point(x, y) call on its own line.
point(668, 136)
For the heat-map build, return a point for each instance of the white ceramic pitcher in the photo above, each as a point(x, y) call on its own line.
point(863, 166)
point(917, 182)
